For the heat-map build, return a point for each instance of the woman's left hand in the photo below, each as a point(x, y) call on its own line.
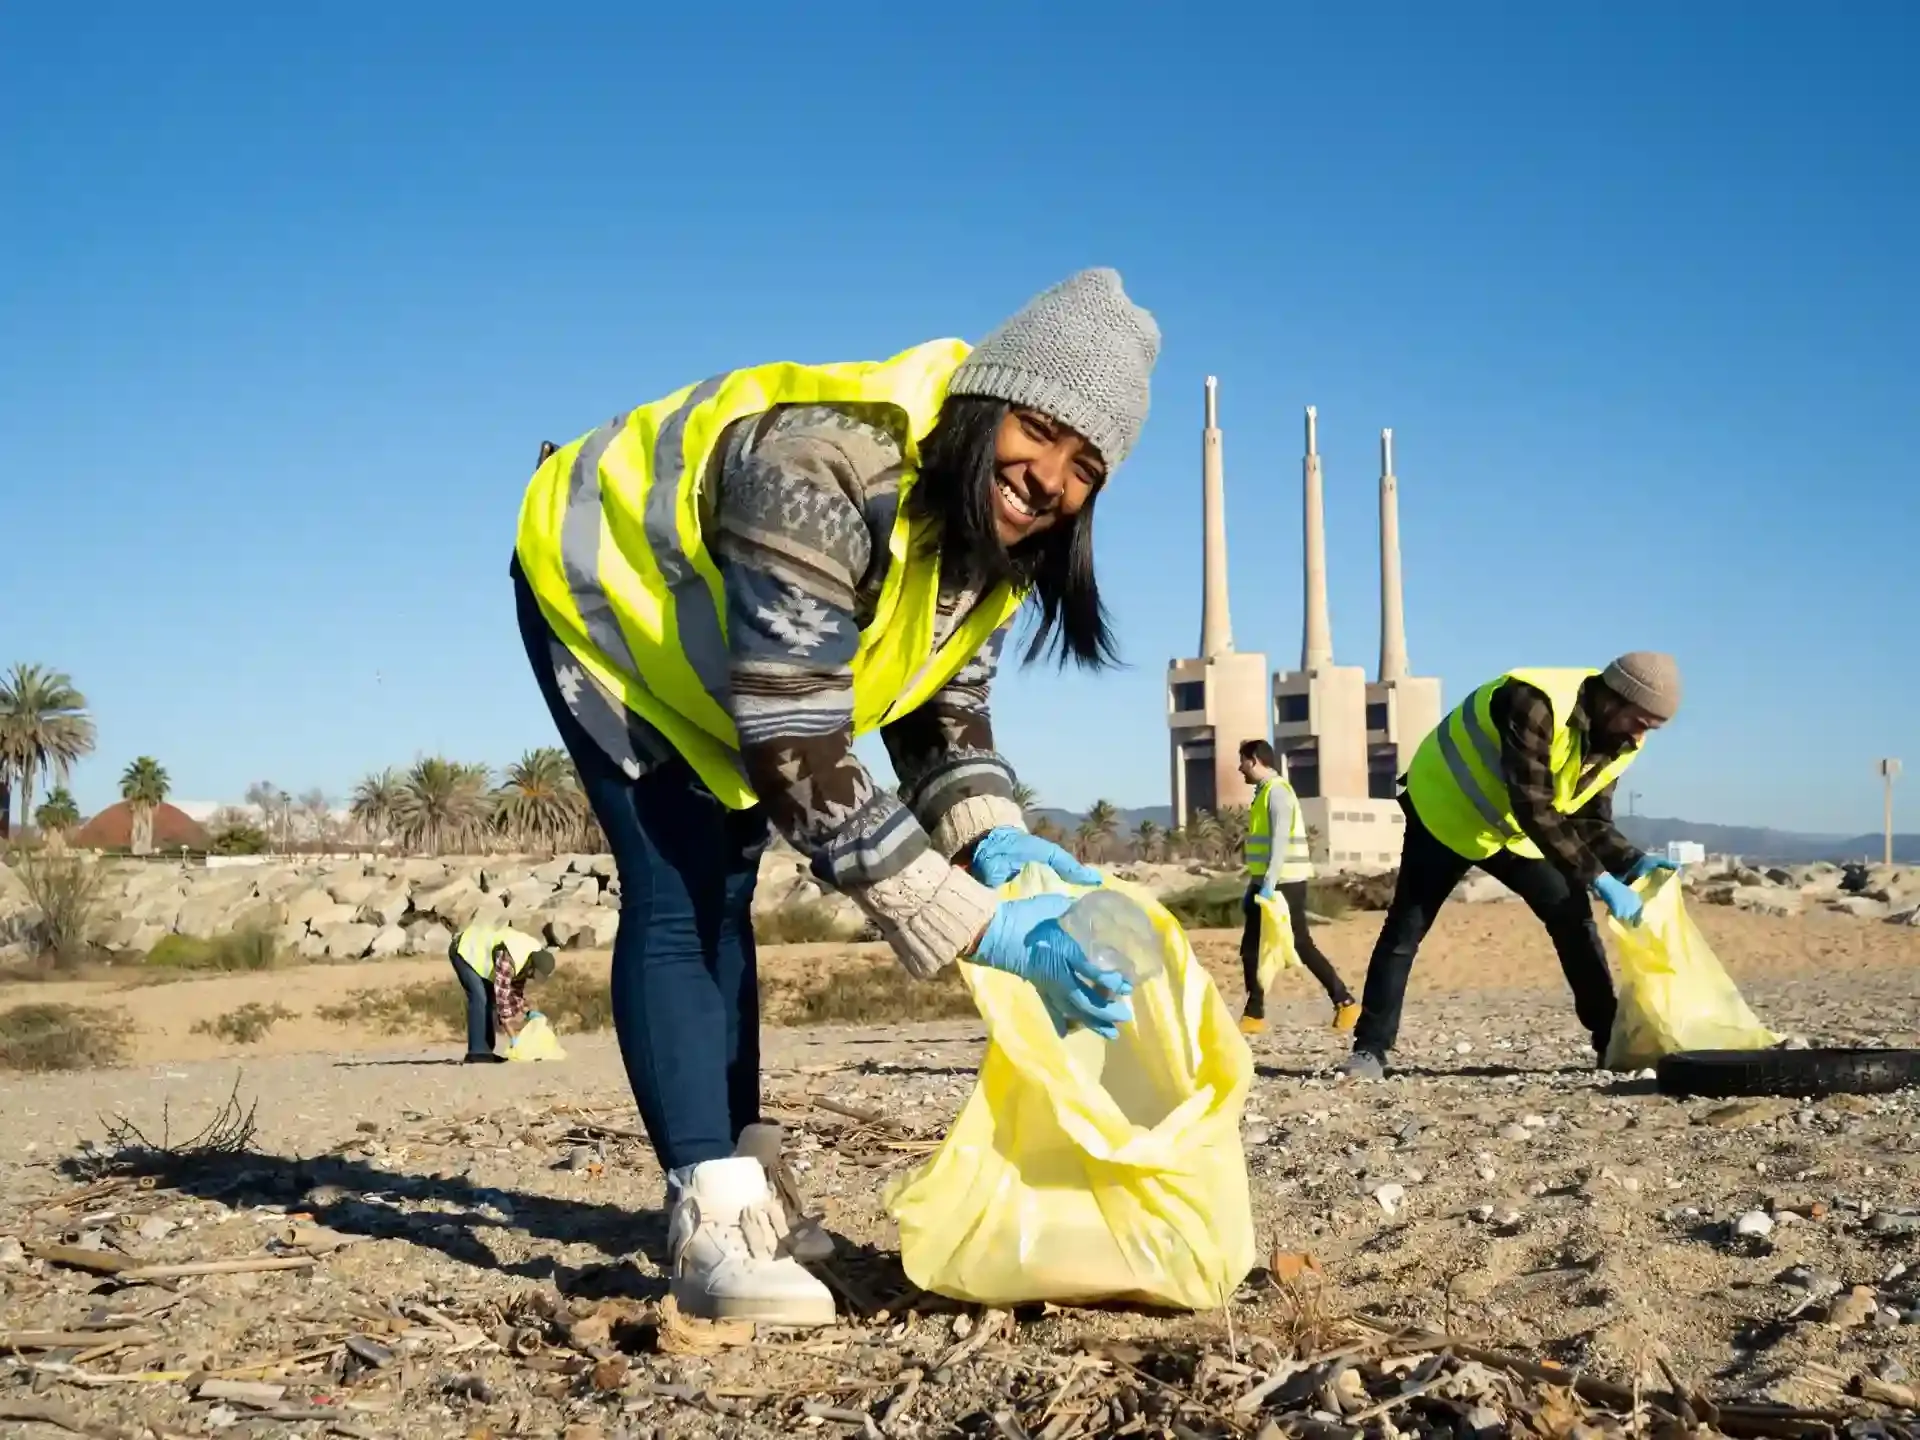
point(1006, 849)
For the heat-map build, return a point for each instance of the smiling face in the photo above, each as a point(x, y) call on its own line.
point(1043, 473)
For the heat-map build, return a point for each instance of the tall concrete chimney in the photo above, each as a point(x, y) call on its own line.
point(1216, 628)
point(1316, 648)
point(1393, 611)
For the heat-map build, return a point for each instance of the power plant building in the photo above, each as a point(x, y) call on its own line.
point(1343, 740)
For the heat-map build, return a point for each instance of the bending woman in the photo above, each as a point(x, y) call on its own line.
point(718, 591)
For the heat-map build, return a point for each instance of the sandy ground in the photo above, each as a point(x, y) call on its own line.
point(1494, 946)
point(1542, 1208)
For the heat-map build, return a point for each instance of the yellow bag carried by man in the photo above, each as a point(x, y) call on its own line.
point(1084, 1169)
point(1277, 950)
point(1673, 993)
point(536, 1041)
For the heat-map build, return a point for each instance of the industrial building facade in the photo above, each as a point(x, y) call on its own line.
point(1343, 739)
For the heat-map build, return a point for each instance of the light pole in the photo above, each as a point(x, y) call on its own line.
point(1888, 770)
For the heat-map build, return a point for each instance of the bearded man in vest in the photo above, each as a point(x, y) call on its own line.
point(1277, 858)
point(719, 592)
point(1519, 781)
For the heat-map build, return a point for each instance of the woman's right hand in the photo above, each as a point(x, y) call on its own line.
point(1024, 938)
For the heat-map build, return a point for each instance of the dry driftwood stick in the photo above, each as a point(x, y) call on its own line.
point(217, 1267)
point(74, 1257)
point(245, 1392)
point(897, 1406)
point(64, 1339)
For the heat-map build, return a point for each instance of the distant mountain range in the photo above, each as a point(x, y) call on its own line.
point(1787, 847)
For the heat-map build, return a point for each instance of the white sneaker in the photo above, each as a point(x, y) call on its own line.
point(724, 1237)
point(807, 1239)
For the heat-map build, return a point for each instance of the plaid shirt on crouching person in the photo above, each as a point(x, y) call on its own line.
point(1587, 844)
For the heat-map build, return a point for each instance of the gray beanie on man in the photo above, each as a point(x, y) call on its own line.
point(1647, 678)
point(1080, 352)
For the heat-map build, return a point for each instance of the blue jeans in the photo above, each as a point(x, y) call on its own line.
point(480, 1019)
point(686, 989)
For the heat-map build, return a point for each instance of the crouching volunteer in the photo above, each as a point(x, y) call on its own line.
point(1519, 782)
point(1274, 823)
point(718, 592)
point(493, 964)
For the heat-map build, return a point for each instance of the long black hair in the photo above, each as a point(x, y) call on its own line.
point(955, 494)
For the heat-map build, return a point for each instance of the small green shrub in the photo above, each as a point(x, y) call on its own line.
point(245, 1025)
point(60, 1037)
point(240, 839)
point(801, 922)
point(238, 950)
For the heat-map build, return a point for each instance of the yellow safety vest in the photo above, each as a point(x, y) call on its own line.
point(1296, 861)
point(1459, 790)
point(478, 940)
point(611, 543)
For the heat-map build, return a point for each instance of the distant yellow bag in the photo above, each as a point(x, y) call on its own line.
point(536, 1041)
point(1084, 1169)
point(1277, 950)
point(1674, 995)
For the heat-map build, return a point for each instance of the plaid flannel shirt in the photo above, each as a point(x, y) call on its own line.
point(1586, 843)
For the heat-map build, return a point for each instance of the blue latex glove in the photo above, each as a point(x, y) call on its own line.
point(1620, 900)
point(1266, 886)
point(1024, 938)
point(1004, 850)
point(1647, 864)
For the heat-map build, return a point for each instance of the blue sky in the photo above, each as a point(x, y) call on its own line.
point(289, 297)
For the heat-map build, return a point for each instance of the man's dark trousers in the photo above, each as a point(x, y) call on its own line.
point(1428, 873)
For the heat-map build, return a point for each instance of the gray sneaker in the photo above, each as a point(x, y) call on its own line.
point(1364, 1065)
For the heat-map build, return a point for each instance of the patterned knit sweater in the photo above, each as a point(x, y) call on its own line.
point(797, 513)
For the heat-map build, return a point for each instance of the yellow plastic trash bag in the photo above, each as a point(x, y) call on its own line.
point(1277, 950)
point(536, 1041)
point(1082, 1169)
point(1674, 995)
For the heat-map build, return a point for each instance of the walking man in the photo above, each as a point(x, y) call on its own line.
point(1275, 820)
point(1519, 782)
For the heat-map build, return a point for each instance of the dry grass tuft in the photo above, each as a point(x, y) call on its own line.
point(61, 1037)
point(875, 993)
point(802, 922)
point(250, 1022)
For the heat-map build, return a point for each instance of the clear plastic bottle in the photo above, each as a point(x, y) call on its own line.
point(1116, 934)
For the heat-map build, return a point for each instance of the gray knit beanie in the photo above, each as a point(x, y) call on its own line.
point(1080, 352)
point(1646, 678)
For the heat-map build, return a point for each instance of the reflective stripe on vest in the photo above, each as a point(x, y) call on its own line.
point(478, 941)
point(611, 544)
point(1456, 782)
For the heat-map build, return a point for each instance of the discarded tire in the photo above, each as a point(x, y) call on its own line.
point(1787, 1072)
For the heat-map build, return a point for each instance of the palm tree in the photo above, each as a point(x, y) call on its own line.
point(540, 805)
point(375, 803)
point(143, 785)
point(1147, 836)
point(44, 728)
point(1234, 820)
point(1025, 796)
point(442, 802)
point(1100, 826)
point(56, 816)
point(1176, 842)
point(1203, 832)
point(1045, 829)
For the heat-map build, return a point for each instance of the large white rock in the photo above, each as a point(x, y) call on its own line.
point(304, 905)
point(347, 942)
point(1766, 900)
point(391, 940)
point(352, 890)
point(428, 937)
point(570, 928)
point(528, 894)
point(387, 905)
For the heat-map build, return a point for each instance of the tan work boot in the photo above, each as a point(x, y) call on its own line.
point(724, 1238)
point(807, 1239)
